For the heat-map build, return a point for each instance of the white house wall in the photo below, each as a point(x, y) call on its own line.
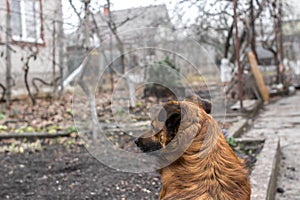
point(43, 65)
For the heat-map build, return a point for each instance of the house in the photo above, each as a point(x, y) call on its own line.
point(291, 38)
point(31, 28)
point(148, 38)
point(125, 21)
point(129, 24)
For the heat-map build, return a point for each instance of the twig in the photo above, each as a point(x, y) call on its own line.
point(75, 11)
point(34, 135)
point(35, 79)
point(15, 121)
point(3, 93)
point(26, 70)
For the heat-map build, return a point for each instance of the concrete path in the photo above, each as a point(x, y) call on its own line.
point(282, 119)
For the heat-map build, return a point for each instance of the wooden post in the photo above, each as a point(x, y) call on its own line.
point(258, 77)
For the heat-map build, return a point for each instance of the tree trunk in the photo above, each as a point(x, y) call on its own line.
point(227, 43)
point(54, 58)
point(26, 70)
point(8, 55)
point(33, 56)
point(86, 24)
point(252, 31)
point(241, 40)
point(60, 43)
point(280, 75)
point(237, 50)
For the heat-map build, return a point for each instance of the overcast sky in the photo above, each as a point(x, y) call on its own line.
point(295, 4)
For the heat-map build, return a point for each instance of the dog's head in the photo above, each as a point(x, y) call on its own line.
point(174, 117)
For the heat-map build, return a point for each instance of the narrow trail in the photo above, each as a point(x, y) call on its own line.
point(283, 120)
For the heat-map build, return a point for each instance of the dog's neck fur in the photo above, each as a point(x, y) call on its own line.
point(208, 169)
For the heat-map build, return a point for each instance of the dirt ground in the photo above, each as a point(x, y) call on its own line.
point(60, 171)
point(62, 168)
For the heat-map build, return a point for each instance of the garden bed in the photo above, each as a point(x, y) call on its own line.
point(61, 168)
point(35, 166)
point(264, 175)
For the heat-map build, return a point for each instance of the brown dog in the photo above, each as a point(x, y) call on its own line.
point(208, 169)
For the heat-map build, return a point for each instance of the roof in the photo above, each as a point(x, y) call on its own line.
point(153, 16)
point(126, 20)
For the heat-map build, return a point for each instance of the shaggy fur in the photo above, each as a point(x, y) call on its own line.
point(208, 169)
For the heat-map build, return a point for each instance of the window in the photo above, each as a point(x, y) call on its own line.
point(26, 21)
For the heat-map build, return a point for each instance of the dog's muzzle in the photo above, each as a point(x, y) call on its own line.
point(147, 146)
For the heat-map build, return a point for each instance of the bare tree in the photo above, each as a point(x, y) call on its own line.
point(8, 55)
point(60, 44)
point(252, 30)
point(111, 29)
point(215, 24)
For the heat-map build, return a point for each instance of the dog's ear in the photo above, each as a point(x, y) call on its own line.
point(202, 103)
point(173, 122)
point(169, 109)
point(206, 105)
point(171, 114)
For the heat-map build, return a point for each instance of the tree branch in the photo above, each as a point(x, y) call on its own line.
point(3, 92)
point(33, 55)
point(75, 11)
